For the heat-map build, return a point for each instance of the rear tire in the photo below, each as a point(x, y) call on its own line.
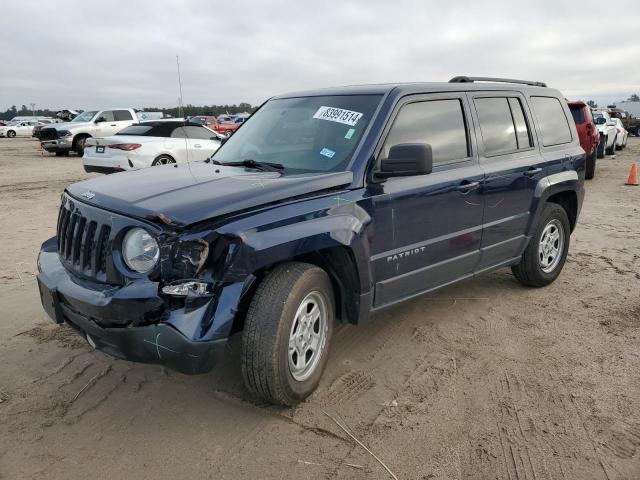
point(163, 160)
point(591, 165)
point(281, 321)
point(544, 257)
point(610, 150)
point(601, 146)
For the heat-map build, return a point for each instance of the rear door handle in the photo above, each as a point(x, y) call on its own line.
point(466, 186)
point(114, 125)
point(532, 172)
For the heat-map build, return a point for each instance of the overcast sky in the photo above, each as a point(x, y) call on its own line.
point(81, 54)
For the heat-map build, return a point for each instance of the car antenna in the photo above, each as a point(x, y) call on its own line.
point(179, 87)
point(181, 115)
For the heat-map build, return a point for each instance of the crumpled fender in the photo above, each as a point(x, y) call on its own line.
point(275, 236)
point(327, 222)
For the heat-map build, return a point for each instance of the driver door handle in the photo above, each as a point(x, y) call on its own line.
point(197, 145)
point(532, 172)
point(466, 186)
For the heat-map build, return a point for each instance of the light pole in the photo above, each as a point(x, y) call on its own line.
point(33, 110)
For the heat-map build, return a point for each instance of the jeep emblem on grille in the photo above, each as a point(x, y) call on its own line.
point(88, 194)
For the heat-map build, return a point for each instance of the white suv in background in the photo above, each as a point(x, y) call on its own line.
point(607, 129)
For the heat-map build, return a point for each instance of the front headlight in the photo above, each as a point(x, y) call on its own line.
point(63, 133)
point(140, 250)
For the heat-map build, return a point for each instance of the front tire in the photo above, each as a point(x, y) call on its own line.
point(79, 146)
point(544, 257)
point(287, 333)
point(591, 166)
point(11, 134)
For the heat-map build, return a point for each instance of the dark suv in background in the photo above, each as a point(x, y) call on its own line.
point(326, 206)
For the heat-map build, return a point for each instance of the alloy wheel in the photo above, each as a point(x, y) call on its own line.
point(308, 336)
point(551, 246)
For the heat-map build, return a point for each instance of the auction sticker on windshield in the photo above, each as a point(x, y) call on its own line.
point(338, 115)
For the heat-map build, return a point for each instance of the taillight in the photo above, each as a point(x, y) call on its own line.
point(618, 130)
point(127, 147)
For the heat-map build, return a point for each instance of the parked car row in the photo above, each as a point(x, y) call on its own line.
point(223, 124)
point(70, 136)
point(600, 134)
point(629, 122)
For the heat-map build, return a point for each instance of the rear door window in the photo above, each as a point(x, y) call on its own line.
point(439, 123)
point(122, 115)
point(552, 122)
point(496, 125)
point(520, 122)
point(199, 133)
point(503, 125)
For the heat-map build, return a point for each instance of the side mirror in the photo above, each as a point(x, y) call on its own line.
point(100, 119)
point(407, 159)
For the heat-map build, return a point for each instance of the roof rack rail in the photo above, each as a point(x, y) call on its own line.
point(463, 79)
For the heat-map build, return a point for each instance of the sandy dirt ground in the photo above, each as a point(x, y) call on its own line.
point(482, 380)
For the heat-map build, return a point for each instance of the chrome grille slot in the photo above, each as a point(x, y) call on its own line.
point(83, 243)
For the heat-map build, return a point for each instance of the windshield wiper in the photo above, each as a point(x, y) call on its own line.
point(249, 163)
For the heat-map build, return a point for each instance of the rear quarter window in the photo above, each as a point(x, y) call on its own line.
point(578, 114)
point(122, 115)
point(552, 122)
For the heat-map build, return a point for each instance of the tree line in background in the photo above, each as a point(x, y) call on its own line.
point(187, 110)
point(191, 110)
point(632, 98)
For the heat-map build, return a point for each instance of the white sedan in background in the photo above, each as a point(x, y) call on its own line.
point(147, 144)
point(18, 129)
point(621, 135)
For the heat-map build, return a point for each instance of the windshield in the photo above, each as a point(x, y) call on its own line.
point(306, 134)
point(85, 116)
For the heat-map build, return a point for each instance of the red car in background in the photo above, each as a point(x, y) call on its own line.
point(223, 127)
point(587, 132)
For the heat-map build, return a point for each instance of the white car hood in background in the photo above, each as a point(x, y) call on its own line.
point(70, 125)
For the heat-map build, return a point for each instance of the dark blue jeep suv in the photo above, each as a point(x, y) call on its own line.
point(324, 207)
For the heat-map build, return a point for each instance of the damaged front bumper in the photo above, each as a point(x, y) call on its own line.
point(188, 339)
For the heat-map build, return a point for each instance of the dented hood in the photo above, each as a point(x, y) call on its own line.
point(183, 194)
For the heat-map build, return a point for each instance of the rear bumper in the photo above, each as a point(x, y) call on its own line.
point(86, 307)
